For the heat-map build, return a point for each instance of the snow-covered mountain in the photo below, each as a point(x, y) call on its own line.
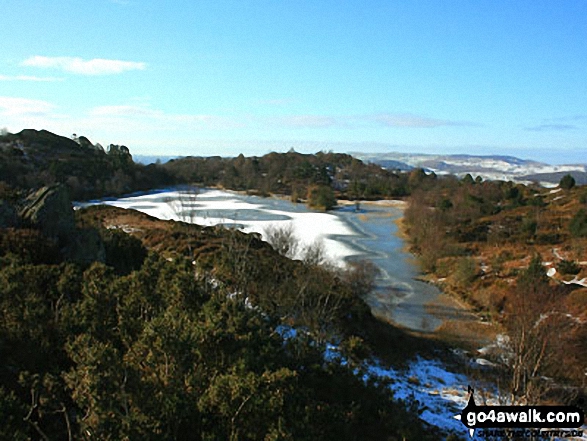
point(488, 167)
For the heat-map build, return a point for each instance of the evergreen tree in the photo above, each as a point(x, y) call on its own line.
point(567, 182)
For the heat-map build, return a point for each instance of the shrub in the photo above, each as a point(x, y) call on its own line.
point(567, 182)
point(465, 272)
point(124, 252)
point(322, 197)
point(537, 201)
point(528, 228)
point(578, 225)
point(568, 267)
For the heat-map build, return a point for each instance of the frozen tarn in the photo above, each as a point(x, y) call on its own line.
point(215, 207)
point(344, 234)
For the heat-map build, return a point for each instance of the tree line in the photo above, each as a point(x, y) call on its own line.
point(32, 159)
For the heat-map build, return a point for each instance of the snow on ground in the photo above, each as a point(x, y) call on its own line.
point(556, 253)
point(309, 227)
point(576, 281)
point(441, 393)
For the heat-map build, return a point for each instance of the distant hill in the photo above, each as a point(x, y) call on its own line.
point(488, 167)
point(555, 177)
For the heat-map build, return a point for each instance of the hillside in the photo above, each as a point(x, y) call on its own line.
point(294, 174)
point(175, 331)
point(517, 255)
point(115, 325)
point(36, 158)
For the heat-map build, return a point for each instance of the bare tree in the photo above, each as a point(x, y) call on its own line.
point(184, 205)
point(537, 330)
point(314, 254)
point(283, 239)
point(360, 277)
point(238, 253)
point(325, 295)
point(320, 294)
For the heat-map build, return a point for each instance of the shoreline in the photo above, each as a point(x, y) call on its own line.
point(404, 278)
point(395, 203)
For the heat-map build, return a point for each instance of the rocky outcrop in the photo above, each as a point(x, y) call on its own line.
point(49, 209)
point(85, 142)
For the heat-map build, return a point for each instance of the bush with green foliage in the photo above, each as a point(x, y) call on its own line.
point(578, 224)
point(155, 354)
point(123, 252)
point(465, 272)
point(567, 182)
point(528, 228)
point(568, 267)
point(151, 347)
point(321, 197)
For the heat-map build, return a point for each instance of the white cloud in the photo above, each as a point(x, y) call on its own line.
point(125, 111)
point(213, 122)
point(305, 121)
point(413, 121)
point(559, 124)
point(572, 118)
point(551, 127)
point(28, 78)
point(96, 66)
point(396, 120)
point(123, 114)
point(10, 106)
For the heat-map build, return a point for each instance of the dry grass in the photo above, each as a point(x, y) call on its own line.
point(461, 327)
point(501, 258)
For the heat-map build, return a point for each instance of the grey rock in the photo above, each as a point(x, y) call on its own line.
point(50, 210)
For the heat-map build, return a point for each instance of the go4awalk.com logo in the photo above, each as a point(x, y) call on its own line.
point(520, 421)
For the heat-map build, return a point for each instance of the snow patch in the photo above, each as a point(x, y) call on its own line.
point(576, 281)
point(443, 393)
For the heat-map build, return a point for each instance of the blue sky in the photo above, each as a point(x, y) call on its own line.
point(224, 77)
